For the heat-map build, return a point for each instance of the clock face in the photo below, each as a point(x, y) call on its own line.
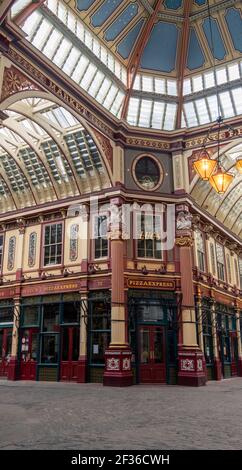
point(148, 173)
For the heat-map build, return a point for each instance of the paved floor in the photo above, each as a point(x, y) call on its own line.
point(89, 416)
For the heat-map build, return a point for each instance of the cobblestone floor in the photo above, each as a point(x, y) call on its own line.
point(89, 416)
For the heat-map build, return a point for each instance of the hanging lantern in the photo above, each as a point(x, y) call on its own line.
point(221, 180)
point(238, 164)
point(204, 166)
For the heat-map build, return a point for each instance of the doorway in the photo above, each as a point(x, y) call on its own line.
point(5, 350)
point(70, 338)
point(152, 362)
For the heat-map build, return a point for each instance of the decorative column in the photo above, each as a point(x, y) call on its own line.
point(216, 358)
point(118, 356)
point(191, 370)
point(13, 363)
point(239, 341)
point(82, 361)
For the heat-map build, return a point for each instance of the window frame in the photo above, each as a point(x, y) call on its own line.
point(44, 246)
point(148, 258)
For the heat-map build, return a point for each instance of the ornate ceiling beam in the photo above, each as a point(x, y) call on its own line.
point(5, 146)
point(43, 122)
point(137, 54)
point(22, 16)
point(19, 130)
point(5, 6)
point(182, 59)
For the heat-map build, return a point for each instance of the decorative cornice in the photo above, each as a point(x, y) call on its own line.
point(184, 241)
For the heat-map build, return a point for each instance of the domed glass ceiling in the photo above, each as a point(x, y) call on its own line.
point(150, 62)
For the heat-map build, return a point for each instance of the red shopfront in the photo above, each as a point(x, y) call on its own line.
point(6, 325)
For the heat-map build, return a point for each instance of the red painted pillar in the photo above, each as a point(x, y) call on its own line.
point(191, 363)
point(118, 370)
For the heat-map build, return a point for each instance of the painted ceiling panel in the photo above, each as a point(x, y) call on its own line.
point(160, 51)
point(234, 22)
point(126, 45)
point(214, 38)
point(195, 56)
point(121, 22)
point(105, 10)
point(84, 4)
point(173, 4)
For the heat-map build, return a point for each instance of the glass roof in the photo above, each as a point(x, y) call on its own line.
point(46, 155)
point(226, 208)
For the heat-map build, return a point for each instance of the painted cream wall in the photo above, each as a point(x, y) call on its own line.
point(28, 231)
point(11, 275)
point(75, 265)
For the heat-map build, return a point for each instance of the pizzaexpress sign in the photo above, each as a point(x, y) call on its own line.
point(151, 284)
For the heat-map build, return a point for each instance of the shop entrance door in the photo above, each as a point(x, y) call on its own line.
point(5, 350)
point(152, 367)
point(69, 353)
point(28, 353)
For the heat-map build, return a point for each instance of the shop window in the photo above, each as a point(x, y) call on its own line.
point(52, 244)
point(148, 232)
point(6, 312)
point(1, 252)
point(200, 250)
point(71, 312)
point(207, 335)
point(30, 315)
point(50, 317)
point(220, 261)
point(99, 330)
point(49, 348)
point(100, 236)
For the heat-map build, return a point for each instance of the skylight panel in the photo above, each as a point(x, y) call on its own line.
point(170, 114)
point(145, 113)
point(197, 83)
point(32, 23)
point(52, 44)
point(187, 87)
point(80, 69)
point(221, 76)
point(103, 90)
point(42, 34)
point(80, 31)
point(160, 85)
point(171, 87)
point(233, 71)
point(237, 96)
point(71, 21)
point(71, 61)
point(117, 104)
point(190, 114)
point(147, 83)
point(62, 52)
point(132, 116)
point(110, 97)
point(137, 82)
point(62, 12)
point(213, 107)
point(209, 79)
point(88, 76)
point(96, 83)
point(226, 104)
point(157, 115)
point(202, 111)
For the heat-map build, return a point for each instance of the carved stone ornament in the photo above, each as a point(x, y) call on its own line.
point(184, 241)
point(184, 221)
point(14, 81)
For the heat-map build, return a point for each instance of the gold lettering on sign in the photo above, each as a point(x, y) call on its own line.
point(139, 283)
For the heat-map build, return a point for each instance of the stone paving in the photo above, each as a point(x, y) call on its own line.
point(45, 415)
